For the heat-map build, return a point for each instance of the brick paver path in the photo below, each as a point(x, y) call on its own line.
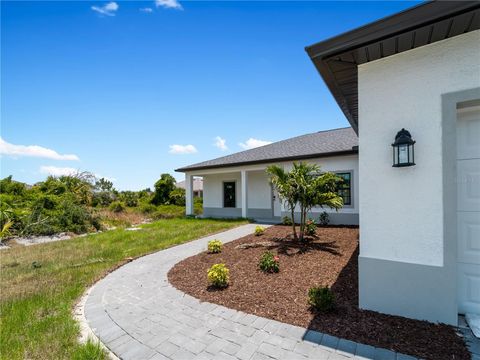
point(137, 314)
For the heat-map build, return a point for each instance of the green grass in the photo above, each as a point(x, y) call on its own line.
point(36, 301)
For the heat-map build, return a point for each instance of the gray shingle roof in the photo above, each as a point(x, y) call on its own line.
point(323, 143)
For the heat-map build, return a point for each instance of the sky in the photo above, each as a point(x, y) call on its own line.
point(131, 90)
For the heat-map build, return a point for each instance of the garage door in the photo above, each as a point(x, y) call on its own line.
point(468, 209)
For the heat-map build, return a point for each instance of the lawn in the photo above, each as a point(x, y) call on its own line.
point(40, 284)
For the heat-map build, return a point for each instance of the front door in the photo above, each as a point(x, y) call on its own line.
point(229, 194)
point(468, 210)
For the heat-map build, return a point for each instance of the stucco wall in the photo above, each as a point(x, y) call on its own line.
point(401, 209)
point(213, 189)
point(259, 191)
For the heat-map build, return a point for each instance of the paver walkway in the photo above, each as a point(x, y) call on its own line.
point(137, 314)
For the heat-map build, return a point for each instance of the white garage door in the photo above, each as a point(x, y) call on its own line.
point(468, 209)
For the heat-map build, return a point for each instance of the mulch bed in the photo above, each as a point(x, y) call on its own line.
point(328, 259)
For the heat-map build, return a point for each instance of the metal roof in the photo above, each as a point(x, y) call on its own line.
point(337, 58)
point(320, 144)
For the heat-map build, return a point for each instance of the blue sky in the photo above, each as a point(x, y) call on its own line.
point(112, 87)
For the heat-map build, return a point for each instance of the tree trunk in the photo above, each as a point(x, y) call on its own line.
point(294, 229)
point(302, 223)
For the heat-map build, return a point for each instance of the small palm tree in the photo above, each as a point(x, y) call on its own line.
point(306, 186)
point(285, 186)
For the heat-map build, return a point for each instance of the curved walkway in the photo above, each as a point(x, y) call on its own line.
point(137, 314)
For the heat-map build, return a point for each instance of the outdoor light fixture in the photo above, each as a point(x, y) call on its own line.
point(403, 149)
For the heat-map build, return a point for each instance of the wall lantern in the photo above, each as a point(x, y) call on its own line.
point(403, 149)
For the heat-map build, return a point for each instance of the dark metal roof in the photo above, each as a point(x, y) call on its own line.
point(337, 58)
point(320, 144)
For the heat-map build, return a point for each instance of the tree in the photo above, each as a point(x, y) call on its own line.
point(163, 187)
point(306, 186)
point(177, 197)
point(284, 184)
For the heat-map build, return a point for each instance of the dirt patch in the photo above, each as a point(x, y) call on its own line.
point(328, 259)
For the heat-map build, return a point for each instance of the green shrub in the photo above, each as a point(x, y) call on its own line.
point(324, 218)
point(147, 208)
point(310, 227)
point(287, 220)
point(215, 246)
point(177, 197)
point(116, 207)
point(218, 275)
point(269, 262)
point(259, 230)
point(168, 212)
point(321, 298)
point(129, 198)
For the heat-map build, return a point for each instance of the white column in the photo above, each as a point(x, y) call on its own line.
point(188, 194)
point(244, 193)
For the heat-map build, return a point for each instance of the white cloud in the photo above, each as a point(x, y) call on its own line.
point(33, 151)
point(182, 149)
point(146, 10)
point(108, 9)
point(221, 143)
point(253, 143)
point(169, 4)
point(58, 171)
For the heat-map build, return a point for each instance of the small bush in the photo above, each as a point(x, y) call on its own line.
point(324, 218)
point(310, 227)
point(259, 230)
point(269, 263)
point(321, 298)
point(218, 275)
point(116, 207)
point(146, 208)
point(287, 220)
point(215, 246)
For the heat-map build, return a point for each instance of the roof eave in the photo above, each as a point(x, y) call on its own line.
point(272, 160)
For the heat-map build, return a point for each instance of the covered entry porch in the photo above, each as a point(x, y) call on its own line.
point(233, 193)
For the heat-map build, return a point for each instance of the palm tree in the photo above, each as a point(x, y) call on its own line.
point(285, 186)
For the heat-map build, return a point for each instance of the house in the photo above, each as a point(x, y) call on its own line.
point(237, 185)
point(197, 187)
point(418, 201)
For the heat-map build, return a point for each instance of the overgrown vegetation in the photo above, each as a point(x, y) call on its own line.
point(36, 302)
point(82, 203)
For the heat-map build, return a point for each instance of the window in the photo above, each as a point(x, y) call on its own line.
point(345, 188)
point(229, 194)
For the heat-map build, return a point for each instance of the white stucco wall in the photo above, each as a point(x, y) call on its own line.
point(401, 208)
point(259, 191)
point(213, 189)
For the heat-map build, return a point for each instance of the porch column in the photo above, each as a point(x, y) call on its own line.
point(244, 180)
point(188, 194)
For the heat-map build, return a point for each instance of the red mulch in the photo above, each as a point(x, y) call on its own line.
point(328, 259)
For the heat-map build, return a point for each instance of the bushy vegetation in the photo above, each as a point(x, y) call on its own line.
point(310, 227)
point(218, 276)
point(269, 262)
point(215, 246)
point(324, 218)
point(321, 298)
point(259, 230)
point(82, 203)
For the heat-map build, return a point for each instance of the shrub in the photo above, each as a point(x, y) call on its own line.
point(269, 263)
point(218, 275)
point(324, 218)
point(168, 212)
point(310, 227)
point(321, 298)
point(215, 246)
point(116, 207)
point(146, 208)
point(287, 220)
point(259, 230)
point(177, 197)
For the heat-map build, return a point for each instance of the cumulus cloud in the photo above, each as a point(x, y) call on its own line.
point(146, 10)
point(253, 143)
point(108, 9)
point(58, 171)
point(182, 149)
point(169, 4)
point(32, 151)
point(221, 143)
